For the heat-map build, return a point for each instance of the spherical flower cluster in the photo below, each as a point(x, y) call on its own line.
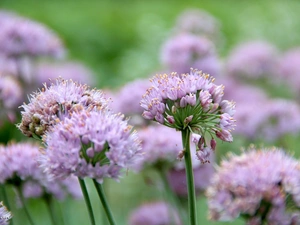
point(198, 22)
point(253, 60)
point(259, 185)
point(190, 101)
point(20, 167)
point(161, 145)
point(290, 69)
point(5, 215)
point(184, 51)
point(93, 144)
point(55, 102)
point(45, 72)
point(20, 36)
point(155, 213)
point(11, 95)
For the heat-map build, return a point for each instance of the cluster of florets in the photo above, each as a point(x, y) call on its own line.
point(5, 215)
point(93, 144)
point(161, 146)
point(56, 102)
point(20, 36)
point(20, 168)
point(190, 101)
point(259, 185)
point(155, 213)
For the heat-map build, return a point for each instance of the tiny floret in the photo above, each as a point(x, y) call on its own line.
point(5, 215)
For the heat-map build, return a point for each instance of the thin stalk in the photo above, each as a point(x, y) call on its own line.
point(5, 199)
point(173, 200)
point(49, 203)
point(19, 190)
point(87, 201)
point(185, 134)
point(101, 195)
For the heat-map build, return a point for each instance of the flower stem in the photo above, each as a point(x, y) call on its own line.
point(19, 190)
point(49, 203)
point(87, 201)
point(101, 194)
point(185, 134)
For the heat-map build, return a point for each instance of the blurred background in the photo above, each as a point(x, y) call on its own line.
point(121, 41)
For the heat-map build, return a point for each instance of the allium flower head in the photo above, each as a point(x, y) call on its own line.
point(190, 101)
point(155, 213)
point(185, 50)
point(260, 185)
point(20, 36)
point(5, 215)
point(19, 166)
point(160, 144)
point(253, 60)
point(56, 102)
point(93, 144)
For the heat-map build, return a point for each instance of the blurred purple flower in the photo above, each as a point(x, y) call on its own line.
point(160, 144)
point(257, 185)
point(55, 102)
point(198, 22)
point(93, 144)
point(5, 215)
point(185, 51)
point(253, 60)
point(46, 72)
point(155, 213)
point(20, 36)
point(19, 167)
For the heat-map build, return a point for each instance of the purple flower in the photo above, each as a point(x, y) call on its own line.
point(5, 215)
point(19, 167)
point(160, 144)
point(163, 102)
point(253, 60)
point(198, 22)
point(257, 185)
point(11, 95)
point(185, 51)
point(20, 36)
point(93, 144)
point(45, 72)
point(155, 213)
point(56, 102)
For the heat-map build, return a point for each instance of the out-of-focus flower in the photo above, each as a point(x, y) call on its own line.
point(190, 101)
point(290, 69)
point(93, 144)
point(5, 215)
point(155, 213)
point(20, 167)
point(253, 60)
point(160, 144)
point(55, 102)
point(8, 66)
point(20, 36)
point(45, 72)
point(260, 185)
point(11, 95)
point(198, 22)
point(184, 51)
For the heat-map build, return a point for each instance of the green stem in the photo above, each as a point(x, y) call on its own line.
point(101, 194)
point(19, 190)
point(87, 201)
point(173, 200)
point(185, 134)
point(5, 199)
point(49, 203)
